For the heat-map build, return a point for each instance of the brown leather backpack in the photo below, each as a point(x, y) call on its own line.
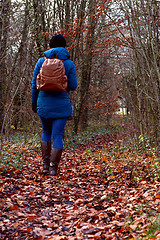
point(52, 76)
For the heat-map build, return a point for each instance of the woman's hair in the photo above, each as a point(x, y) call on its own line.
point(57, 41)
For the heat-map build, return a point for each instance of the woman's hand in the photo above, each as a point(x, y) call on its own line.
point(34, 108)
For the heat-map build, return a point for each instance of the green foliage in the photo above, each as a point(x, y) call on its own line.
point(145, 144)
point(155, 226)
point(80, 139)
point(15, 148)
point(144, 147)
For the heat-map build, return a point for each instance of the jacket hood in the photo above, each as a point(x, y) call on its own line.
point(62, 53)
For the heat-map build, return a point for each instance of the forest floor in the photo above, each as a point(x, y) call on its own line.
point(103, 191)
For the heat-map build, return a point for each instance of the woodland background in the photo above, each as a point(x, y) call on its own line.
point(114, 45)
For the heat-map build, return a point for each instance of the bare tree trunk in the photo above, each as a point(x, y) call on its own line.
point(82, 111)
point(37, 25)
point(4, 25)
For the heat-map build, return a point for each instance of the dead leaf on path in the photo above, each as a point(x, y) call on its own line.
point(133, 226)
point(157, 195)
point(20, 214)
point(56, 237)
point(13, 207)
point(92, 231)
point(42, 232)
point(79, 201)
point(31, 216)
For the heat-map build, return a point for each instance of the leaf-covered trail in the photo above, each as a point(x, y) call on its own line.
point(95, 196)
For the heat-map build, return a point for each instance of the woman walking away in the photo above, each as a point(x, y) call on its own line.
point(53, 107)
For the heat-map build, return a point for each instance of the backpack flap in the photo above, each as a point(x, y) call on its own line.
point(52, 76)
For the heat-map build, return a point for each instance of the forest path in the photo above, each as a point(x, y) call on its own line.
point(98, 194)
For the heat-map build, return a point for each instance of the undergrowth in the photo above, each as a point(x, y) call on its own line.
point(15, 148)
point(153, 229)
point(81, 138)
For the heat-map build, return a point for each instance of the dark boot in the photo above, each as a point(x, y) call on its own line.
point(54, 161)
point(46, 151)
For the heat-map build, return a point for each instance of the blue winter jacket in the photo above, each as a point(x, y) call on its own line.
point(54, 104)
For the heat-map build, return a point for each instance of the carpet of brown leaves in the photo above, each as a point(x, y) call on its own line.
point(94, 196)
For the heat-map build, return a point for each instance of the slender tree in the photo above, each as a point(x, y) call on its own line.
point(4, 28)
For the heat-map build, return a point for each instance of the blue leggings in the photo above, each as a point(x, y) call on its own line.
point(53, 128)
